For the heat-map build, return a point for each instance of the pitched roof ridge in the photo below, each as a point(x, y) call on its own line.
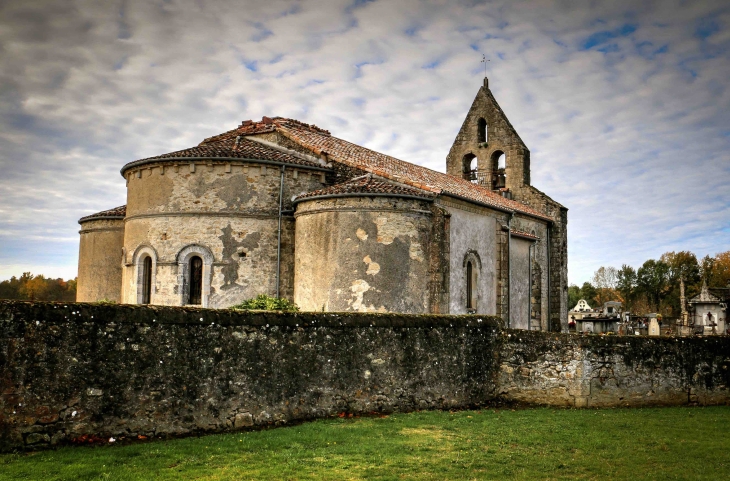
point(382, 174)
point(218, 138)
point(322, 142)
point(494, 198)
point(280, 148)
point(299, 123)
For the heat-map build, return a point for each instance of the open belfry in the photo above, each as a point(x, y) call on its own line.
point(284, 208)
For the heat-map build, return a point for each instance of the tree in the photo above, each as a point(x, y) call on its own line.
point(604, 280)
point(682, 264)
point(720, 270)
point(38, 288)
point(573, 296)
point(707, 267)
point(588, 292)
point(626, 285)
point(9, 289)
point(34, 289)
point(651, 280)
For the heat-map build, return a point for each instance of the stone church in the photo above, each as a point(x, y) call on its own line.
point(284, 208)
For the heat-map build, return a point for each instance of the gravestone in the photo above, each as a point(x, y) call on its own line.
point(654, 328)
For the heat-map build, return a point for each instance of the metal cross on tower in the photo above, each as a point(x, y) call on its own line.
point(484, 61)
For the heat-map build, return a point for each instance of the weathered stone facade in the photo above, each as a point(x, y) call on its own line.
point(234, 217)
point(610, 371)
point(227, 210)
point(123, 371)
point(82, 369)
point(475, 144)
point(362, 254)
point(100, 258)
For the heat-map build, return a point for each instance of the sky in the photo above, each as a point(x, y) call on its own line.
point(624, 105)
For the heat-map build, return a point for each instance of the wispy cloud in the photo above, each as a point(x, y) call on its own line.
point(624, 105)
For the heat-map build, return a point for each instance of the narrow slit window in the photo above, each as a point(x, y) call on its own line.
point(147, 280)
point(469, 286)
point(196, 280)
point(482, 130)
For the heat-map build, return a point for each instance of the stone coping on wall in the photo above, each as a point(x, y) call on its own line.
point(542, 338)
point(74, 370)
point(149, 314)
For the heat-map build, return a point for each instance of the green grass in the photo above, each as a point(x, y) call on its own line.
point(636, 444)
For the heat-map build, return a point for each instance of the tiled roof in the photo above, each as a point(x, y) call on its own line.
point(265, 125)
point(367, 184)
point(115, 213)
point(524, 234)
point(230, 147)
point(321, 142)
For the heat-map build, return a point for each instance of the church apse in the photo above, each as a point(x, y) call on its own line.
point(229, 212)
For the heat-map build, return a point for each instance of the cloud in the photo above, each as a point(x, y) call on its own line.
point(624, 105)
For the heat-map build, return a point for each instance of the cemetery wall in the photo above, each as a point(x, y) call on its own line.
point(73, 372)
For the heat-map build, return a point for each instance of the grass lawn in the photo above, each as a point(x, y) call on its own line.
point(636, 444)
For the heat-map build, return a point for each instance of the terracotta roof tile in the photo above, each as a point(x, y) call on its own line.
point(265, 125)
point(524, 234)
point(321, 141)
point(231, 148)
point(367, 184)
point(115, 213)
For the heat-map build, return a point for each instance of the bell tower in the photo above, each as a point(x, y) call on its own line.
point(487, 150)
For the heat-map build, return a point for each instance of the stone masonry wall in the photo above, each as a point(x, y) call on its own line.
point(74, 370)
point(592, 371)
point(503, 138)
point(100, 260)
point(558, 307)
point(69, 370)
point(229, 210)
point(365, 254)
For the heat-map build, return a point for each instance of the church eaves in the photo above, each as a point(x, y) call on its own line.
point(367, 185)
point(115, 213)
point(234, 147)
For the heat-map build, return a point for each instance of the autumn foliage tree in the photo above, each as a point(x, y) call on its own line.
point(38, 288)
point(654, 287)
point(719, 275)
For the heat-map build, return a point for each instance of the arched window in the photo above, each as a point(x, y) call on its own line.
point(470, 166)
point(498, 162)
point(195, 271)
point(147, 280)
point(481, 130)
point(469, 286)
point(501, 160)
point(472, 265)
point(145, 261)
point(195, 295)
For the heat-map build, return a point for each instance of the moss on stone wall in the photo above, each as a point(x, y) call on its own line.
point(69, 370)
